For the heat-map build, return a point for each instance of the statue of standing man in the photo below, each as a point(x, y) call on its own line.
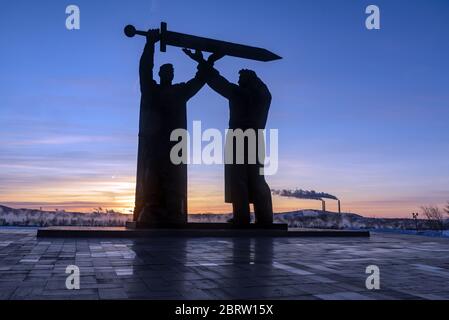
point(161, 186)
point(249, 103)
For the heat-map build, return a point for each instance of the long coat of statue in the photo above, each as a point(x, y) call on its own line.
point(161, 186)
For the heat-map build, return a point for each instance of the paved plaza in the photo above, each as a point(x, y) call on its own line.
point(411, 267)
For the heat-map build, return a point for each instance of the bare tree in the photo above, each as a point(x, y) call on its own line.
point(446, 209)
point(435, 218)
point(98, 210)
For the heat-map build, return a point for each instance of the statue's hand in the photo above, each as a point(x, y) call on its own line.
point(197, 56)
point(153, 36)
point(214, 57)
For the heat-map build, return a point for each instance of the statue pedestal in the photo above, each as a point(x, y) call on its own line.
point(193, 230)
point(206, 226)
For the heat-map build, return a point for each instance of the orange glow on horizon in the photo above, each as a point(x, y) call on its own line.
point(205, 196)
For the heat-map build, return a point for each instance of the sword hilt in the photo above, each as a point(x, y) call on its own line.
point(131, 31)
point(163, 31)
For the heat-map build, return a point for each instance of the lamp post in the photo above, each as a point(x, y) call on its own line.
point(415, 217)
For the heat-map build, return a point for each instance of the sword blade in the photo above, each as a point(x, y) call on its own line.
point(183, 40)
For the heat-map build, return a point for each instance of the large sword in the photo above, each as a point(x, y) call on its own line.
point(183, 40)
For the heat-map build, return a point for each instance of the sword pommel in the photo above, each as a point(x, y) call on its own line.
point(130, 31)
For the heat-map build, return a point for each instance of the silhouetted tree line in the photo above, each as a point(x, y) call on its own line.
point(436, 217)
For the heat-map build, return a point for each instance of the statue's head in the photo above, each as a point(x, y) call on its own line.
point(166, 73)
point(247, 77)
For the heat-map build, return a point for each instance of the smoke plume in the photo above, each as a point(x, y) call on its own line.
point(303, 194)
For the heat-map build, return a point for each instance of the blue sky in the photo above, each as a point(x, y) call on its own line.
point(361, 114)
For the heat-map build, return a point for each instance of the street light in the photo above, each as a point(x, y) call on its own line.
point(415, 217)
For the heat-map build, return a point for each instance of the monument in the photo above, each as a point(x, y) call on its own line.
point(161, 186)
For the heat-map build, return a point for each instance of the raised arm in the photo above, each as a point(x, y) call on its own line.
point(219, 83)
point(212, 76)
point(195, 84)
point(147, 61)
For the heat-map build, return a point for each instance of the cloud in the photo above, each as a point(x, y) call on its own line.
point(59, 140)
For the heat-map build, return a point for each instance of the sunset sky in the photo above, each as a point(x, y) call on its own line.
point(361, 114)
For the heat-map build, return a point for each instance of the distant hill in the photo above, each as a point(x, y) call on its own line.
point(333, 220)
point(298, 219)
point(326, 220)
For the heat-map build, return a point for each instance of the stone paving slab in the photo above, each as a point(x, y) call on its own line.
point(411, 267)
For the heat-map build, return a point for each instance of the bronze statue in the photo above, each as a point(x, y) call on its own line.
point(161, 186)
point(249, 103)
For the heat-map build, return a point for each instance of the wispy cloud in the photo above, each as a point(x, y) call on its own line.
point(58, 140)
